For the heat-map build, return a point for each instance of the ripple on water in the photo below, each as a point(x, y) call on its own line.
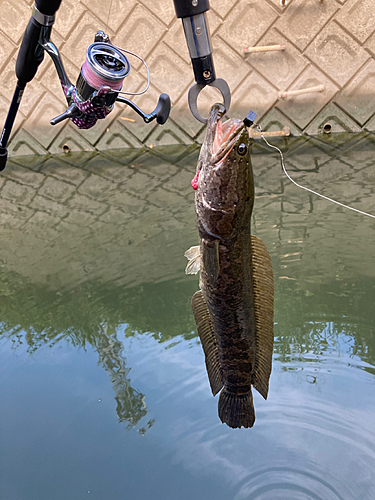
point(283, 483)
point(331, 451)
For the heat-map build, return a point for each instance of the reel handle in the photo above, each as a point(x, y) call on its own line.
point(161, 112)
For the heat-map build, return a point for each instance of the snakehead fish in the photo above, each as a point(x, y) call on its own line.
point(233, 309)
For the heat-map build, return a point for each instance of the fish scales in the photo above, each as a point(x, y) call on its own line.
point(234, 309)
point(230, 302)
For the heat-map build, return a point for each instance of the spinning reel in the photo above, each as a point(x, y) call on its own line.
point(99, 85)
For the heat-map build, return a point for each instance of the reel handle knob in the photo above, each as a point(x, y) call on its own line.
point(71, 112)
point(162, 109)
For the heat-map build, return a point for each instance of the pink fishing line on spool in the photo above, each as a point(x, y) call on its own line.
point(96, 81)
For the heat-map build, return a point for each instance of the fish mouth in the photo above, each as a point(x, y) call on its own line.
point(225, 135)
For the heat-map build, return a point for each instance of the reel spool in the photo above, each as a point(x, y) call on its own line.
point(105, 65)
point(99, 85)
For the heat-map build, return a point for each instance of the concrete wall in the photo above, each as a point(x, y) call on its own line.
point(329, 43)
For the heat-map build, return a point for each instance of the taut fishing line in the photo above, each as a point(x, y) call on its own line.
point(303, 187)
point(109, 12)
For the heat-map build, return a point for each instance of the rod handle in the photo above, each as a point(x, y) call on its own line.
point(3, 158)
point(27, 63)
point(48, 7)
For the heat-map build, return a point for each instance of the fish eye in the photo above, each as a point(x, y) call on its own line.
point(242, 149)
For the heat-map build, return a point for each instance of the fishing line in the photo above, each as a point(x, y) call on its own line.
point(148, 73)
point(303, 187)
point(109, 12)
point(97, 80)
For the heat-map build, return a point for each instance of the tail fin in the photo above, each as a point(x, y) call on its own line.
point(236, 410)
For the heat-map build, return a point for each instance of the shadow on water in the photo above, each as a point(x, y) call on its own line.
point(92, 248)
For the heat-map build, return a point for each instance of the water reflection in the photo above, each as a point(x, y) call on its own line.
point(91, 256)
point(131, 406)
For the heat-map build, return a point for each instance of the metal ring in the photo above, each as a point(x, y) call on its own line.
point(196, 88)
point(42, 18)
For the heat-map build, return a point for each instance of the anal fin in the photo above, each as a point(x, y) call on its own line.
point(263, 293)
point(207, 335)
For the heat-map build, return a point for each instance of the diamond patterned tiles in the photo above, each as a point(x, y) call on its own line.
point(12, 10)
point(7, 49)
point(254, 93)
point(302, 108)
point(303, 19)
point(228, 62)
point(246, 23)
point(281, 68)
point(67, 17)
point(330, 43)
point(356, 17)
point(358, 99)
point(141, 32)
point(338, 54)
point(338, 120)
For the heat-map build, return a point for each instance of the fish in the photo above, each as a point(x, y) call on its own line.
point(233, 309)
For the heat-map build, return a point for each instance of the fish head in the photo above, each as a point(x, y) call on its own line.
point(225, 194)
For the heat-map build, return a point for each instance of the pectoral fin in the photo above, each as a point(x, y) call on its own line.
point(210, 259)
point(263, 293)
point(209, 344)
point(194, 257)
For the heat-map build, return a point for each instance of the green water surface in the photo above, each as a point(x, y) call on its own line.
point(104, 393)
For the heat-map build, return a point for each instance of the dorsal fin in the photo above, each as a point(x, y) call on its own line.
point(207, 335)
point(263, 292)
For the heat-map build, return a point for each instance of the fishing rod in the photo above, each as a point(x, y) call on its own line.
point(99, 83)
point(192, 13)
point(29, 58)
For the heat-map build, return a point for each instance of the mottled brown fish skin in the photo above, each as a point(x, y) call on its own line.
point(223, 203)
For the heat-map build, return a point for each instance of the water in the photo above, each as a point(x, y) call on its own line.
point(104, 393)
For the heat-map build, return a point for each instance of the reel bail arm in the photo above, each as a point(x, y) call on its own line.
point(192, 13)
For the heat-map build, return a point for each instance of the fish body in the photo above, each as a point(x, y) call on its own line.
point(234, 307)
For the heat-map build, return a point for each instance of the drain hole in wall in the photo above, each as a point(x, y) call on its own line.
point(66, 148)
point(327, 127)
